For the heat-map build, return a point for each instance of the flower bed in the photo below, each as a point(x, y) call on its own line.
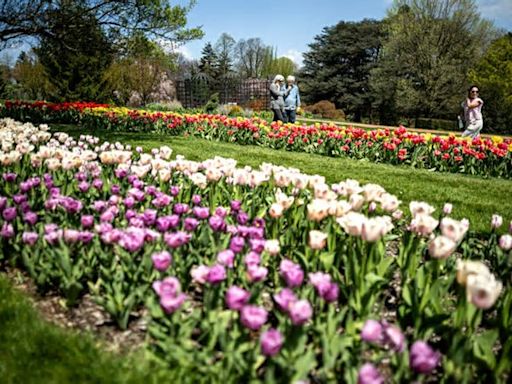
point(256, 274)
point(482, 156)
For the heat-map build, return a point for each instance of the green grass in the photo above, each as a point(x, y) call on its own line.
point(35, 351)
point(472, 197)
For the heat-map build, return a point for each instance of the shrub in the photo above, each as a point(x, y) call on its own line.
point(213, 104)
point(326, 109)
point(236, 110)
point(256, 104)
point(168, 106)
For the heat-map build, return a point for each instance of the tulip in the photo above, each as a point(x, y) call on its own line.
point(372, 331)
point(242, 218)
point(83, 186)
point(29, 238)
point(272, 247)
point(317, 240)
point(161, 260)
point(199, 273)
point(171, 304)
point(352, 223)
point(496, 221)
point(18, 199)
point(506, 242)
point(275, 210)
point(441, 247)
point(196, 199)
point(253, 317)
point(97, 183)
point(423, 359)
point(221, 212)
point(85, 237)
point(170, 286)
point(447, 209)
point(30, 217)
point(467, 268)
point(421, 208)
point(236, 297)
point(256, 273)
point(178, 239)
point(71, 235)
point(483, 290)
point(453, 229)
point(235, 205)
point(423, 224)
point(226, 258)
point(237, 244)
point(394, 337)
point(217, 223)
point(7, 231)
point(10, 177)
point(201, 212)
point(369, 374)
point(271, 342)
point(300, 312)
point(292, 273)
point(9, 214)
point(216, 274)
point(284, 299)
point(257, 245)
point(87, 221)
point(190, 224)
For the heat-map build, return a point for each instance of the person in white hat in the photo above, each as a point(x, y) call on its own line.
point(292, 100)
point(277, 94)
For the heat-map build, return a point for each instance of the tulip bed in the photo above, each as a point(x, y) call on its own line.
point(481, 156)
point(257, 274)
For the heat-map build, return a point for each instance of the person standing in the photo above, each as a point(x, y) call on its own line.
point(277, 94)
point(292, 100)
point(473, 113)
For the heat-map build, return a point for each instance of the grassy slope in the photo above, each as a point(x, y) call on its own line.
point(473, 197)
point(34, 351)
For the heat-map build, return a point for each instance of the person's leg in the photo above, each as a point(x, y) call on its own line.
point(292, 116)
point(276, 114)
point(279, 114)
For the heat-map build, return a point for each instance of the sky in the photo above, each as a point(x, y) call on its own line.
point(290, 25)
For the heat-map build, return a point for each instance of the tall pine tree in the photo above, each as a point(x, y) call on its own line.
point(209, 62)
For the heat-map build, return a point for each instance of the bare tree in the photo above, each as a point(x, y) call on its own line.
point(251, 55)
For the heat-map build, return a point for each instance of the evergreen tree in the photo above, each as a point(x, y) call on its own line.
point(338, 64)
point(224, 49)
point(75, 63)
point(209, 62)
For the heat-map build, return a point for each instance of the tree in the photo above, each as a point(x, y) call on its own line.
point(31, 78)
point(429, 48)
point(75, 63)
point(154, 18)
point(493, 75)
point(139, 70)
point(225, 50)
point(209, 62)
point(337, 66)
point(251, 55)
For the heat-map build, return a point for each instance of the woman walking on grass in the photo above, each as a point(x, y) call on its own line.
point(277, 95)
point(473, 113)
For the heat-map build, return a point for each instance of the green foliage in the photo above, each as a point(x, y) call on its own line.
point(224, 48)
point(326, 110)
point(212, 104)
point(337, 67)
point(209, 62)
point(429, 48)
point(31, 77)
point(75, 63)
point(274, 65)
point(493, 74)
point(437, 124)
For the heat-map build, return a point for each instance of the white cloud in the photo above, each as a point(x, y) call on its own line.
point(184, 51)
point(294, 56)
point(170, 46)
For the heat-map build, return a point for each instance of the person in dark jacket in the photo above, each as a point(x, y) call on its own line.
point(277, 94)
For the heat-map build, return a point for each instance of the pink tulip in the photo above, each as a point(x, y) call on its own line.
point(253, 317)
point(271, 342)
point(236, 297)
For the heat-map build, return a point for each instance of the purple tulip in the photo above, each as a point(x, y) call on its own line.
point(129, 214)
point(217, 223)
point(132, 239)
point(30, 217)
point(271, 342)
point(190, 224)
point(97, 183)
point(25, 186)
point(394, 337)
point(107, 216)
point(423, 359)
point(236, 297)
point(120, 173)
point(85, 237)
point(161, 260)
point(138, 184)
point(235, 205)
point(253, 317)
point(180, 208)
point(258, 222)
point(201, 212)
point(174, 190)
point(216, 274)
point(54, 191)
point(129, 202)
point(18, 199)
point(162, 201)
point(136, 222)
point(29, 238)
point(151, 190)
point(71, 236)
point(7, 231)
point(149, 217)
point(25, 207)
point(242, 218)
point(87, 221)
point(115, 189)
point(83, 186)
point(252, 258)
point(300, 312)
point(226, 258)
point(256, 273)
point(284, 299)
point(257, 245)
point(137, 194)
point(9, 214)
point(51, 227)
point(237, 244)
point(372, 331)
point(10, 177)
point(176, 240)
point(132, 178)
point(151, 236)
point(170, 286)
point(171, 304)
point(332, 293)
point(80, 176)
point(3, 202)
point(113, 201)
point(196, 199)
point(53, 238)
point(369, 374)
point(221, 211)
point(292, 273)
point(199, 273)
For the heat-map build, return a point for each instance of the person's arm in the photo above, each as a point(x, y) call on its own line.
point(274, 90)
point(473, 104)
point(298, 98)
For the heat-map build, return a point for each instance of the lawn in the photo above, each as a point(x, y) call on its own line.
point(473, 197)
point(35, 351)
